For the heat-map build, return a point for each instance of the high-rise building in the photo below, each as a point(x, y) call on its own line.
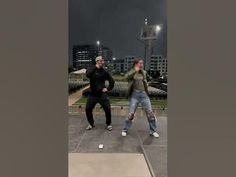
point(158, 63)
point(128, 62)
point(106, 54)
point(84, 55)
point(118, 65)
point(124, 64)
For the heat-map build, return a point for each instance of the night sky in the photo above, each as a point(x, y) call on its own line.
point(117, 24)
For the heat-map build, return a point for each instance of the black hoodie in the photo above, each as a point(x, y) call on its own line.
point(97, 80)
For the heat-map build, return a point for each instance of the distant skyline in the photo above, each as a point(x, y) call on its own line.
point(116, 24)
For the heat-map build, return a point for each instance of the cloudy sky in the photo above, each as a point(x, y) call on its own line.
point(116, 23)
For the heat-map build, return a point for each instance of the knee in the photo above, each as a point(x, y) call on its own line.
point(107, 108)
point(131, 116)
point(88, 109)
point(151, 115)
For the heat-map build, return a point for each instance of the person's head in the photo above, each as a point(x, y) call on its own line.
point(99, 61)
point(138, 62)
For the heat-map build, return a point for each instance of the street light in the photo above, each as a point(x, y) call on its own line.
point(158, 28)
point(98, 44)
point(145, 21)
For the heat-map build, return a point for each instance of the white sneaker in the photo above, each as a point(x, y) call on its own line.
point(89, 127)
point(155, 134)
point(123, 133)
point(109, 127)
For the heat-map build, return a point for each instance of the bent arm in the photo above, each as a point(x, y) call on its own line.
point(111, 82)
point(130, 75)
point(149, 78)
point(90, 71)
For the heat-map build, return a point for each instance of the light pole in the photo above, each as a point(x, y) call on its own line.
point(98, 44)
point(149, 33)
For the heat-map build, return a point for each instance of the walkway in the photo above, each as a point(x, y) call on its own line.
point(76, 96)
point(137, 141)
point(107, 165)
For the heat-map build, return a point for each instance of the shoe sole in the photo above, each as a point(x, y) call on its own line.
point(89, 128)
point(109, 129)
point(123, 135)
point(155, 136)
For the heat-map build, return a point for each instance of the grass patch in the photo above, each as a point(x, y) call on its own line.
point(119, 78)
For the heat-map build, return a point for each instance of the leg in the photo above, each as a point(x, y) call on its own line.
point(133, 104)
point(91, 102)
point(146, 105)
point(105, 103)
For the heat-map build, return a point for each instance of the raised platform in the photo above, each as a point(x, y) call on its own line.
point(107, 165)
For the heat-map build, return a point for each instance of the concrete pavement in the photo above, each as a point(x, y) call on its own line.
point(107, 165)
point(137, 141)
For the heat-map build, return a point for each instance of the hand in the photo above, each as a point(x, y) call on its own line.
point(98, 66)
point(136, 68)
point(104, 90)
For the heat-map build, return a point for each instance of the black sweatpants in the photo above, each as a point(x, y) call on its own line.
point(104, 102)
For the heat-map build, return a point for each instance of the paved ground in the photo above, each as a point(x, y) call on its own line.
point(137, 141)
point(107, 165)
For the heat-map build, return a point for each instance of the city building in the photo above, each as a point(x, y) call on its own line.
point(158, 63)
point(106, 54)
point(128, 62)
point(85, 55)
point(123, 65)
point(118, 65)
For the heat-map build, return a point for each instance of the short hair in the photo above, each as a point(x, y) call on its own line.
point(98, 58)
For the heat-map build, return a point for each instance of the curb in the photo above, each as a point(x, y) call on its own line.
point(145, 156)
point(148, 162)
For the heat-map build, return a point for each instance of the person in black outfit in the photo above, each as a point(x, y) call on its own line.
point(98, 75)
